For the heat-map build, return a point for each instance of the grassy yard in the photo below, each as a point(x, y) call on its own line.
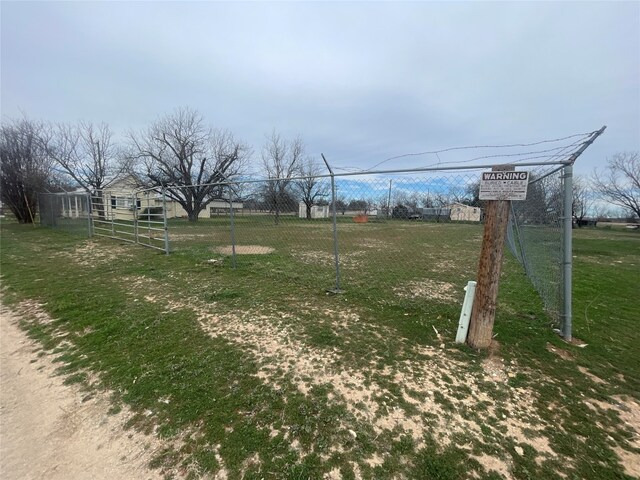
point(258, 372)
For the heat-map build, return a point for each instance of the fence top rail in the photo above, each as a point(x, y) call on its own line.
point(65, 194)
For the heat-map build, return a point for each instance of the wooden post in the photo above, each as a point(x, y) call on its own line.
point(493, 239)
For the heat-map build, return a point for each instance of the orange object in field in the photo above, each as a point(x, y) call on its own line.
point(361, 218)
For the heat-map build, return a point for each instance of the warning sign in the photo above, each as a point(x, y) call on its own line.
point(504, 185)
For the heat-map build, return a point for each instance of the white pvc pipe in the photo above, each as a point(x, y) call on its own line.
point(465, 314)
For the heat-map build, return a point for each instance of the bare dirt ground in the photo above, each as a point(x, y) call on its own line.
point(48, 432)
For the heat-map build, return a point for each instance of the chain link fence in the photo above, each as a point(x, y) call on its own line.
point(535, 236)
point(405, 238)
point(125, 215)
point(409, 239)
point(67, 211)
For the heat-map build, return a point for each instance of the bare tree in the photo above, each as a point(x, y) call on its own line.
point(619, 184)
point(601, 212)
point(87, 155)
point(85, 152)
point(383, 202)
point(25, 168)
point(311, 188)
point(581, 200)
point(341, 205)
point(544, 203)
point(472, 195)
point(281, 160)
point(409, 200)
point(460, 194)
point(360, 205)
point(426, 199)
point(186, 159)
point(440, 202)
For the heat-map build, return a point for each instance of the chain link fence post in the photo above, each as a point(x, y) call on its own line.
point(39, 210)
point(164, 221)
point(89, 217)
point(567, 243)
point(233, 228)
point(335, 226)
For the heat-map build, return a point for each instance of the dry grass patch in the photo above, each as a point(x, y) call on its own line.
point(560, 352)
point(629, 411)
point(427, 288)
point(93, 254)
point(33, 310)
point(436, 399)
point(327, 259)
point(591, 376)
point(245, 250)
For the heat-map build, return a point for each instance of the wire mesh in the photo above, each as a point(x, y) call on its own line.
point(65, 211)
point(409, 237)
point(409, 240)
point(404, 240)
point(535, 236)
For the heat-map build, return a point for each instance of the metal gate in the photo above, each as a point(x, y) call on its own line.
point(130, 218)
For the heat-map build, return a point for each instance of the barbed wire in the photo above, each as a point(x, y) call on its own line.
point(558, 151)
point(475, 147)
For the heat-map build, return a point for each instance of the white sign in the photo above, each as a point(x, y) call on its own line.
point(504, 185)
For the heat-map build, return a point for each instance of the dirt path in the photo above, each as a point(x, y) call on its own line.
point(48, 432)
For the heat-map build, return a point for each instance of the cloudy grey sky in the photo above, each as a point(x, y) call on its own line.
point(360, 82)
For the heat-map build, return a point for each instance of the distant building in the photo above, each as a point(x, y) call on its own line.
point(440, 214)
point(219, 206)
point(317, 211)
point(455, 212)
point(460, 212)
point(120, 201)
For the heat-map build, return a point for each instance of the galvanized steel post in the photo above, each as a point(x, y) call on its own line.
point(335, 225)
point(525, 263)
point(233, 230)
point(164, 218)
point(135, 216)
point(389, 200)
point(39, 208)
point(567, 237)
point(89, 219)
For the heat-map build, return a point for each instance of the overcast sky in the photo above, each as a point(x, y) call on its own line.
point(360, 82)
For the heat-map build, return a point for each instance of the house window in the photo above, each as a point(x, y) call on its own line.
point(123, 202)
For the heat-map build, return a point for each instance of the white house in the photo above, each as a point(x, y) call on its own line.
point(122, 198)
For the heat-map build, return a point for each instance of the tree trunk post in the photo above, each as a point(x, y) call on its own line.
point(490, 265)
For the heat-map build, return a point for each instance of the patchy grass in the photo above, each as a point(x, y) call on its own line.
point(258, 373)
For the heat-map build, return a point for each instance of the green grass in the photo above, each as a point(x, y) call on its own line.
point(260, 371)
